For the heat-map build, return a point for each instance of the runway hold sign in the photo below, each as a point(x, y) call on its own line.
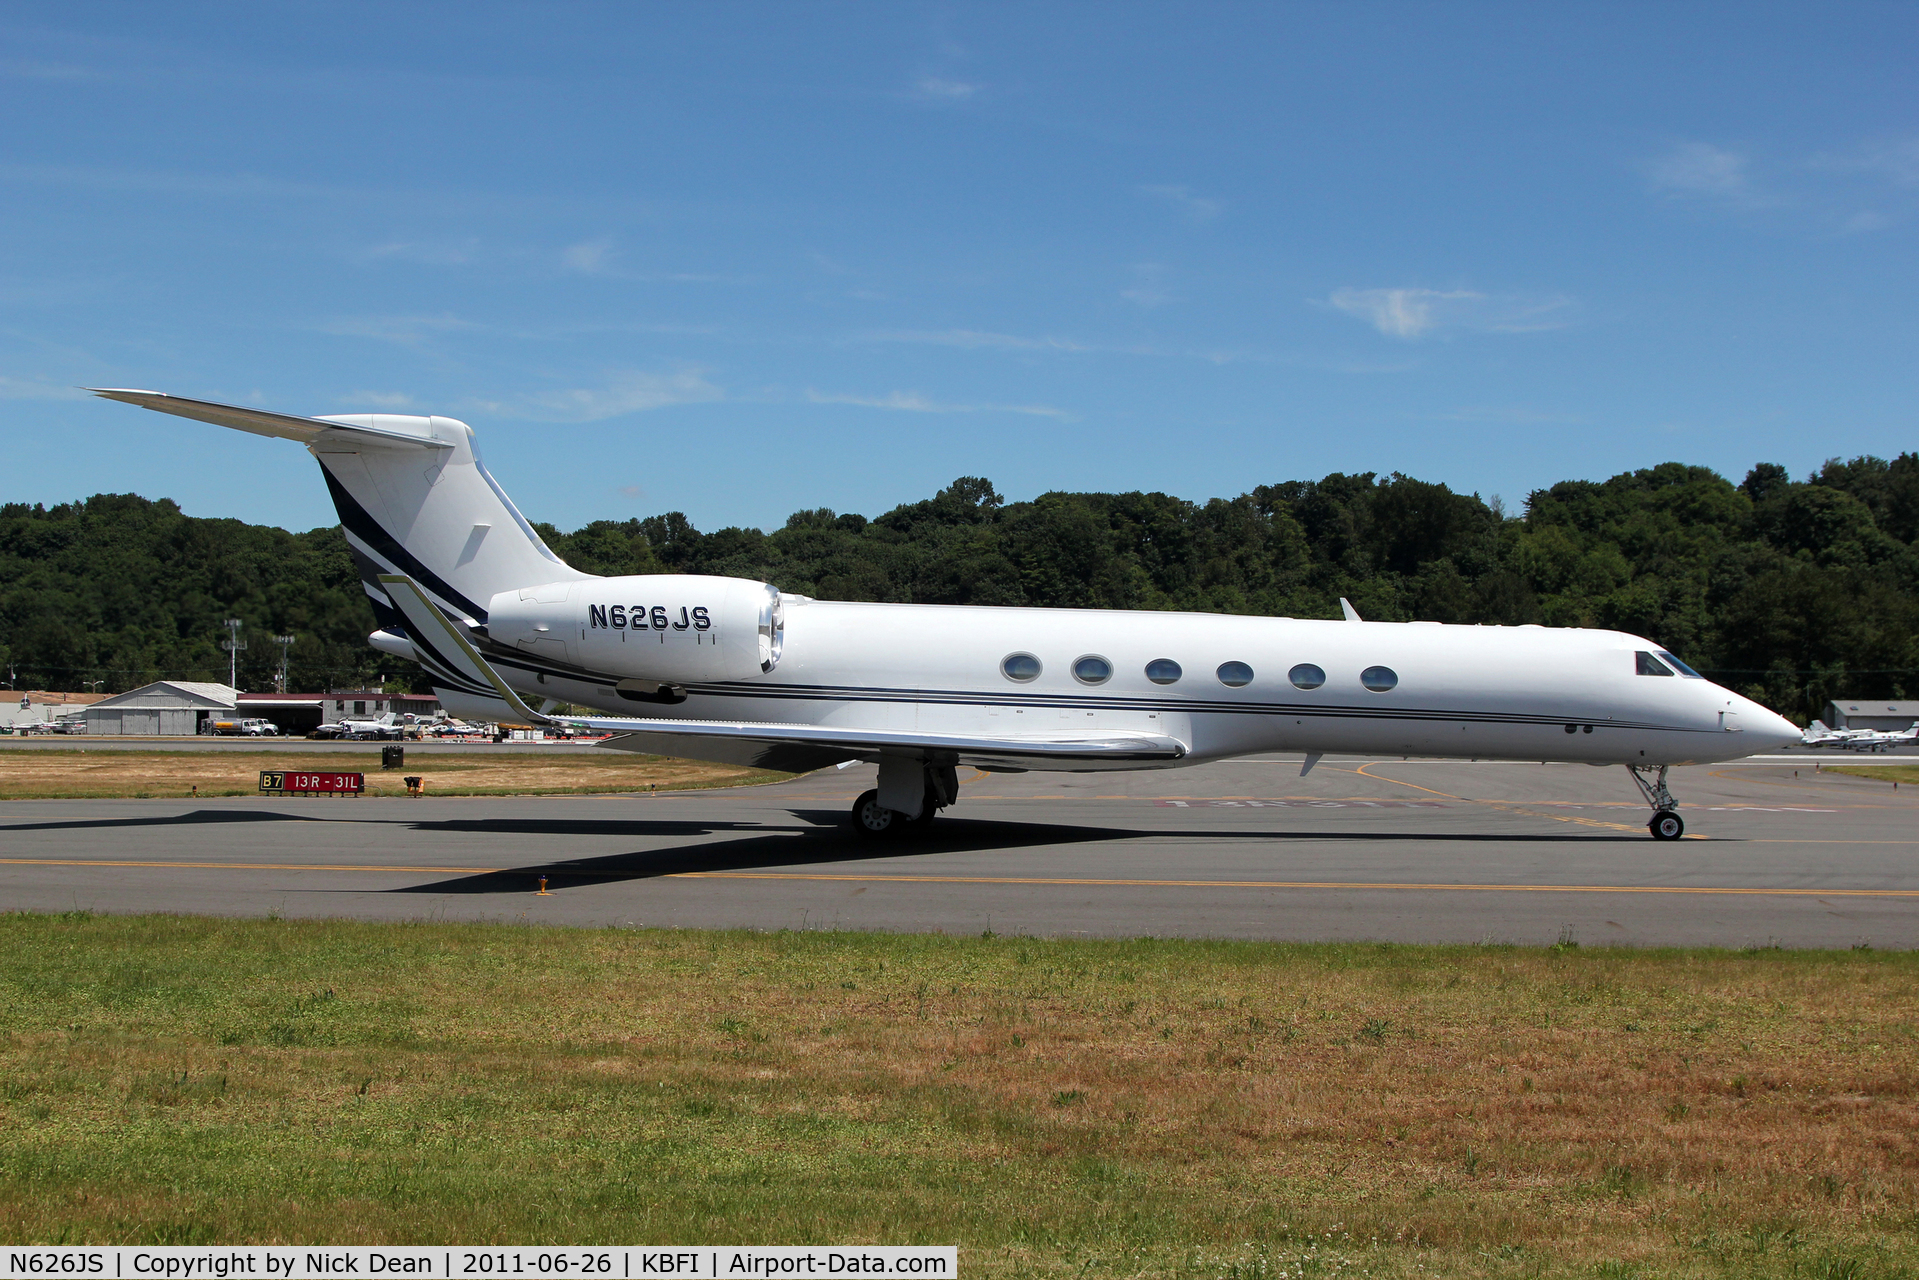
point(289, 782)
point(519, 1262)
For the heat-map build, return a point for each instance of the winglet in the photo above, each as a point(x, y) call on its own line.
point(429, 628)
point(1346, 607)
point(387, 428)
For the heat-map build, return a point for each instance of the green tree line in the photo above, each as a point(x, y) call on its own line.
point(1794, 592)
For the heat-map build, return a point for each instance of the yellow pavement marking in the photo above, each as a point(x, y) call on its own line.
point(1293, 884)
point(1505, 807)
point(1062, 881)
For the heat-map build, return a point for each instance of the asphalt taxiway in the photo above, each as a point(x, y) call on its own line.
point(1778, 853)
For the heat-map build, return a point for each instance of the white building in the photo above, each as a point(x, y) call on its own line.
point(19, 710)
point(164, 707)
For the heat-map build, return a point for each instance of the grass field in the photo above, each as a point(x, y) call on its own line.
point(1887, 773)
point(83, 774)
point(1090, 1108)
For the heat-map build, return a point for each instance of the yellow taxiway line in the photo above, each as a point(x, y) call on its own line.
point(1060, 881)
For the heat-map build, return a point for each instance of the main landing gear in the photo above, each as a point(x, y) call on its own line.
point(1666, 823)
point(887, 810)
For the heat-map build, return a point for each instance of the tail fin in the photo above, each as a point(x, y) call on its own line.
point(414, 500)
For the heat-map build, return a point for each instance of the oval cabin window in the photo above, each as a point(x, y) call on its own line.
point(1235, 674)
point(1306, 676)
point(1020, 666)
point(1092, 669)
point(1379, 679)
point(1163, 671)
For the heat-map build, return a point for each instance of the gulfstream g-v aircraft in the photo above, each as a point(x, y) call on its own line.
point(735, 671)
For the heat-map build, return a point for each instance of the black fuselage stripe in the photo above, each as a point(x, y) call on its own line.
point(361, 523)
point(1048, 702)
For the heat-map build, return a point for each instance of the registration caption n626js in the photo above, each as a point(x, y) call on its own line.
point(469, 1262)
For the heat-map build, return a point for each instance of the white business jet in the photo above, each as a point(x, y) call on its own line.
point(1880, 739)
point(1819, 734)
point(735, 671)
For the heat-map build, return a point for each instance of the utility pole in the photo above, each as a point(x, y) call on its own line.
point(233, 644)
point(285, 643)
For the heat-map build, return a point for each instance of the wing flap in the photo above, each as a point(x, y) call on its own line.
point(1119, 747)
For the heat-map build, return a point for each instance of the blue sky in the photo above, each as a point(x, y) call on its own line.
point(738, 260)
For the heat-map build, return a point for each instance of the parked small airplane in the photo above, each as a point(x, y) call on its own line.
point(737, 671)
point(1819, 734)
point(1879, 739)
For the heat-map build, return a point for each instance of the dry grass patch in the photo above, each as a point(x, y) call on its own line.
point(1107, 1108)
point(109, 774)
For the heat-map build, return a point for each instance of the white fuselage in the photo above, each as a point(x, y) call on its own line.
point(1475, 692)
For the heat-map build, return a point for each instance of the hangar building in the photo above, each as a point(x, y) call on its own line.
point(165, 707)
point(1862, 714)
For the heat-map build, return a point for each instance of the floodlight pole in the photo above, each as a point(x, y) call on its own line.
point(233, 644)
point(285, 642)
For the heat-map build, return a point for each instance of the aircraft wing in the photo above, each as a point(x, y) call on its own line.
point(449, 657)
point(389, 428)
point(797, 747)
point(445, 652)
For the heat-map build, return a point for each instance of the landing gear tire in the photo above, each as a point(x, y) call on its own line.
point(1666, 825)
point(872, 822)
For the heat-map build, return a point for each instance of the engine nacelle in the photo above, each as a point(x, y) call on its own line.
point(652, 629)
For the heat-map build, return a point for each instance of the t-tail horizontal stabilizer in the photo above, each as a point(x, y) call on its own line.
point(446, 653)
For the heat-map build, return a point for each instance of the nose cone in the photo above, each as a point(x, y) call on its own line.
point(1766, 730)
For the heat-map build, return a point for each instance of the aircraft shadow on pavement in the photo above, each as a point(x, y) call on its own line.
point(824, 839)
point(827, 839)
point(197, 817)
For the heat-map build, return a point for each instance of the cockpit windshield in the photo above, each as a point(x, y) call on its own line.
point(1679, 666)
point(1651, 666)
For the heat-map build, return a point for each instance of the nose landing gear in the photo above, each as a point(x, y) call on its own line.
point(1666, 823)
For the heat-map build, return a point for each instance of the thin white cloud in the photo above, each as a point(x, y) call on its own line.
point(35, 389)
point(977, 340)
point(404, 331)
point(632, 491)
point(1699, 169)
point(432, 253)
point(589, 257)
point(627, 391)
point(941, 89)
point(1866, 188)
point(1398, 313)
point(1517, 415)
point(1416, 313)
point(914, 402)
point(1895, 160)
point(1149, 289)
point(382, 399)
point(55, 71)
point(1196, 208)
